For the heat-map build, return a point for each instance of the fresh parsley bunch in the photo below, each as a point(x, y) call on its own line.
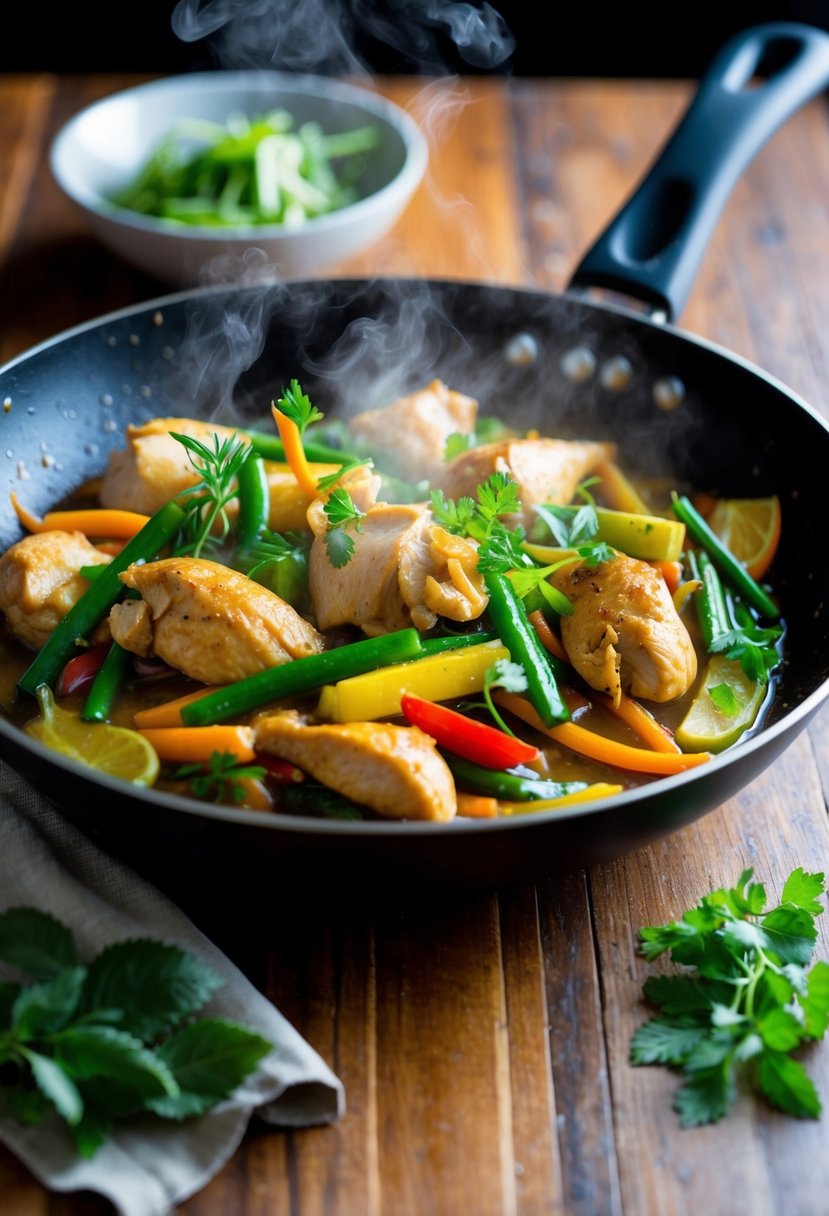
point(101, 1042)
point(744, 1003)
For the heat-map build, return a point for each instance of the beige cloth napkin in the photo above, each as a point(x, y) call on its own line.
point(148, 1165)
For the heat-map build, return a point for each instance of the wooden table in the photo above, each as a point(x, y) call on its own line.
point(483, 1043)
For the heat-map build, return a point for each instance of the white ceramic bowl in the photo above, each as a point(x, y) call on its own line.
point(101, 148)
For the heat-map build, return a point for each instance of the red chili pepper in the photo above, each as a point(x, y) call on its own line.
point(464, 736)
point(79, 672)
point(279, 770)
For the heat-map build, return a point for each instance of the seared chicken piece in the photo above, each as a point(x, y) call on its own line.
point(395, 770)
point(154, 468)
point(545, 470)
point(404, 570)
point(40, 581)
point(624, 634)
point(411, 433)
point(211, 623)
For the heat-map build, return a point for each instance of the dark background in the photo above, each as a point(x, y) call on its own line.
point(518, 37)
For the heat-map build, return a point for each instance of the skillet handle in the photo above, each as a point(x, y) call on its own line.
point(653, 247)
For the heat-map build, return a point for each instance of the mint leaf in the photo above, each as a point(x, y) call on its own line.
point(102, 1051)
point(209, 1060)
point(30, 1106)
point(787, 1086)
point(91, 1131)
point(803, 890)
point(55, 1085)
point(154, 984)
point(660, 1042)
point(705, 1097)
point(791, 933)
point(682, 994)
point(8, 995)
point(35, 942)
point(780, 1030)
point(42, 1009)
point(815, 1003)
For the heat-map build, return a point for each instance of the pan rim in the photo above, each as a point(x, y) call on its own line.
point(300, 825)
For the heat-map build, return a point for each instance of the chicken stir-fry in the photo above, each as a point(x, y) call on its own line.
point(415, 630)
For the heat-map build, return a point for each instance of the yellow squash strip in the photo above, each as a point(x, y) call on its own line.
point(290, 435)
point(186, 744)
point(649, 537)
point(168, 714)
point(618, 491)
point(438, 677)
point(288, 501)
point(601, 789)
point(605, 751)
point(104, 523)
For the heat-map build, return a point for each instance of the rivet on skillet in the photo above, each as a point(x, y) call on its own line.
point(521, 350)
point(668, 393)
point(578, 364)
point(616, 374)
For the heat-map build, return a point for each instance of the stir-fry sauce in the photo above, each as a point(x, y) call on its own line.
point(417, 615)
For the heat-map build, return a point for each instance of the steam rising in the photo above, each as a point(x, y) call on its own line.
point(324, 36)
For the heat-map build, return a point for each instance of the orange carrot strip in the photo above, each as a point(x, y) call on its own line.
point(257, 796)
point(618, 491)
point(109, 523)
point(642, 722)
point(168, 714)
point(606, 751)
point(294, 451)
point(477, 806)
point(546, 636)
point(670, 571)
point(186, 744)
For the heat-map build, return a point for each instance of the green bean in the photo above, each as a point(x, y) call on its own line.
point(302, 675)
point(271, 447)
point(109, 680)
point(99, 597)
point(522, 642)
point(712, 610)
point(732, 570)
point(510, 786)
point(254, 500)
point(453, 641)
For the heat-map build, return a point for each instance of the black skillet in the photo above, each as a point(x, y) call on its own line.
point(734, 430)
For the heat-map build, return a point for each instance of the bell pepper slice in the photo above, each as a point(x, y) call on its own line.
point(465, 736)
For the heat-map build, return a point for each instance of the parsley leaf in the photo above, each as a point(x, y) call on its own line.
point(340, 510)
point(297, 406)
point(219, 780)
point(115, 1037)
point(747, 1001)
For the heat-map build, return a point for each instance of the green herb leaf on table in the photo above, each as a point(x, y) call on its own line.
point(745, 1002)
point(114, 1038)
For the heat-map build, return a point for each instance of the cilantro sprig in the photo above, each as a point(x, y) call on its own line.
point(745, 1001)
point(114, 1037)
point(341, 510)
point(220, 779)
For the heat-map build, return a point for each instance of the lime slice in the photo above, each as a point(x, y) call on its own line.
point(725, 706)
point(109, 749)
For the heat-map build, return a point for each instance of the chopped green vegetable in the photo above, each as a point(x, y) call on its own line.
point(512, 785)
point(279, 561)
point(744, 1001)
point(732, 570)
point(113, 1038)
point(248, 172)
point(219, 779)
point(254, 500)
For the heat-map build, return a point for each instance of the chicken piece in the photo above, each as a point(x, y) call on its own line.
point(40, 581)
point(404, 570)
point(395, 770)
point(410, 435)
point(624, 634)
point(211, 623)
point(545, 470)
point(154, 468)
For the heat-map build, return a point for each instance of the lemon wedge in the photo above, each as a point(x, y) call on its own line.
point(109, 749)
point(723, 709)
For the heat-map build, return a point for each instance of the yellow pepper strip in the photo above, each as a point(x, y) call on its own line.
point(288, 501)
point(601, 789)
point(168, 714)
point(290, 435)
point(438, 677)
point(105, 522)
point(186, 744)
point(596, 747)
point(618, 491)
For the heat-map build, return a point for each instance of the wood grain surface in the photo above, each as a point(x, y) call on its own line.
point(483, 1039)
